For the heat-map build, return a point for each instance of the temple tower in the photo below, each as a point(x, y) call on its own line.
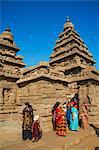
point(10, 65)
point(73, 61)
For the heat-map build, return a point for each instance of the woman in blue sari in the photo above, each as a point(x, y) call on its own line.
point(68, 114)
point(73, 118)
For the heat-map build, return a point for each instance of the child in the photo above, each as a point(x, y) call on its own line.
point(36, 130)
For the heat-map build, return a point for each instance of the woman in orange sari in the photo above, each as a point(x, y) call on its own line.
point(83, 115)
point(60, 121)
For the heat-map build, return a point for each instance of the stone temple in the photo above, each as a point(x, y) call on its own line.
point(70, 70)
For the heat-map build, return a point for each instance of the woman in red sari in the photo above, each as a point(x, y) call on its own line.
point(54, 115)
point(60, 121)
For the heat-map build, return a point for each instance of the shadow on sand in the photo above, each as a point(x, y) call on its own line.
point(97, 132)
point(96, 148)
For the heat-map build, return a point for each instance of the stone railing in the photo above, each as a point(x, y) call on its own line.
point(63, 42)
point(50, 76)
point(63, 38)
point(83, 76)
point(67, 36)
point(9, 45)
point(66, 49)
point(57, 74)
point(74, 65)
point(54, 75)
point(12, 61)
point(9, 74)
point(63, 32)
point(76, 50)
point(39, 72)
point(35, 68)
point(4, 52)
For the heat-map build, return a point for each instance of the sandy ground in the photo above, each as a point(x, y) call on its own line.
point(10, 139)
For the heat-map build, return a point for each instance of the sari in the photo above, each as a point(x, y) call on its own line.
point(27, 123)
point(74, 119)
point(54, 120)
point(84, 117)
point(36, 130)
point(60, 122)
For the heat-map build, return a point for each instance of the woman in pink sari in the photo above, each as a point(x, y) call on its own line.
point(83, 115)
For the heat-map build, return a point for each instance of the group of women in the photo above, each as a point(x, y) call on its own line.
point(64, 116)
point(69, 115)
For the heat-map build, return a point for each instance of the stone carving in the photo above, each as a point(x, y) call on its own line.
point(11, 97)
point(6, 95)
point(73, 85)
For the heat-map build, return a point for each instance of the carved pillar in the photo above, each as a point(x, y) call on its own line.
point(11, 97)
point(81, 93)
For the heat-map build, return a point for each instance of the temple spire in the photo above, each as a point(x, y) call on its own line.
point(68, 23)
point(8, 29)
point(68, 19)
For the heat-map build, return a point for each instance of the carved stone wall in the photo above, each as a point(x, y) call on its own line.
point(43, 94)
point(94, 96)
point(90, 89)
point(8, 95)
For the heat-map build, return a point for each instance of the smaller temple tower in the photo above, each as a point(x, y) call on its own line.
point(10, 65)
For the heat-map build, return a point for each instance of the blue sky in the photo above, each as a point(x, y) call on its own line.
point(37, 24)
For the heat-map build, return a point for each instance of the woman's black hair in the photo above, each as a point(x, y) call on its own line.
point(55, 106)
point(65, 103)
point(77, 96)
point(26, 103)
